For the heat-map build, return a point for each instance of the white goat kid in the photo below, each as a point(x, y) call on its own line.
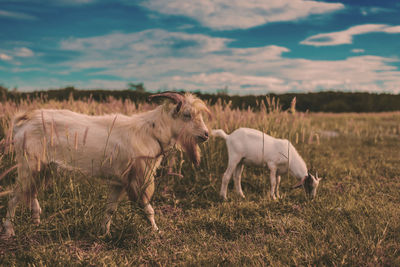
point(253, 147)
point(128, 148)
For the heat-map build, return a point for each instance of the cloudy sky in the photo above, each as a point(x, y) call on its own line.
point(245, 47)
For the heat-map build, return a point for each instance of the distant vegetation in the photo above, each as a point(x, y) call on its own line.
point(336, 102)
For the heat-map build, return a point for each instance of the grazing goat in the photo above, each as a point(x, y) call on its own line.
point(126, 150)
point(252, 147)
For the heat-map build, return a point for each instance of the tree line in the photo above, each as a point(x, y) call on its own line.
point(315, 102)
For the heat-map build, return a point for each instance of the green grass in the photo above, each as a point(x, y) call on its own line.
point(354, 221)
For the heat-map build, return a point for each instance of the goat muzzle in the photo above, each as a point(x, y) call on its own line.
point(203, 138)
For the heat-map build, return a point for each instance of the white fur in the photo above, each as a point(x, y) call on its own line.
point(252, 147)
point(126, 150)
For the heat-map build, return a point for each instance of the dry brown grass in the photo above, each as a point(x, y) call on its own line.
point(354, 221)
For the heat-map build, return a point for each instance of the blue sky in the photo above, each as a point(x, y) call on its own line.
point(246, 47)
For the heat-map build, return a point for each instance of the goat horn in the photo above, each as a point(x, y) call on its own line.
point(178, 98)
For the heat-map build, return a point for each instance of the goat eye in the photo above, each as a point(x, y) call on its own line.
point(187, 116)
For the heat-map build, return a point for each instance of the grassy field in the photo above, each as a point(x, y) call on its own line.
point(354, 221)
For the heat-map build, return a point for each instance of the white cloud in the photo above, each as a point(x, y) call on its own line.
point(145, 41)
point(358, 50)
point(221, 79)
point(164, 59)
point(375, 10)
point(16, 15)
point(5, 57)
point(362, 73)
point(23, 52)
point(238, 14)
point(25, 69)
point(393, 29)
point(11, 55)
point(127, 55)
point(346, 36)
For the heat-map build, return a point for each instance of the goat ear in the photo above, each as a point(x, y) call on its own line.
point(178, 107)
point(312, 177)
point(316, 177)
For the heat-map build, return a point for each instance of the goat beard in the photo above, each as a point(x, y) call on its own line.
point(191, 148)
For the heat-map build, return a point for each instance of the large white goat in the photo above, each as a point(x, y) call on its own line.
point(253, 147)
point(125, 149)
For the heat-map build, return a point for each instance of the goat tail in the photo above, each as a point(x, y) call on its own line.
point(219, 133)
